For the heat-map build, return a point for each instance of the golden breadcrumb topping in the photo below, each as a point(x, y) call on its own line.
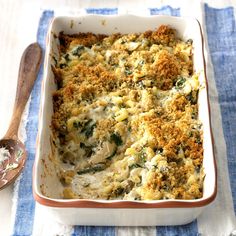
point(125, 122)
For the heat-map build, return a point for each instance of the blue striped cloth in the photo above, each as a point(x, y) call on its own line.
point(221, 35)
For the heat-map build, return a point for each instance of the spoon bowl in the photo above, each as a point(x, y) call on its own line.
point(11, 168)
point(12, 163)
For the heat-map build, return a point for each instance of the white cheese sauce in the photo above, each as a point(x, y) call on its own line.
point(4, 155)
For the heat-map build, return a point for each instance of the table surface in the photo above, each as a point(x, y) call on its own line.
point(19, 21)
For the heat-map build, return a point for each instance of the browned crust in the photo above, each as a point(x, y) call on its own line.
point(167, 68)
point(85, 39)
point(85, 82)
point(163, 35)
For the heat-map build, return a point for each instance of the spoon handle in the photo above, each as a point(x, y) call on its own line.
point(29, 67)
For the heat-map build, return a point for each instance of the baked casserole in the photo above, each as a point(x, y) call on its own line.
point(125, 122)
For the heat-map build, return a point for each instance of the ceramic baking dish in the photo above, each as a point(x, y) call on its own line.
point(118, 212)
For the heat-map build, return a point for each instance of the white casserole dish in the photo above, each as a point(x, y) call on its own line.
point(118, 212)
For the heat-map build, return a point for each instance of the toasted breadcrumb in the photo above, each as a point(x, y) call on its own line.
point(126, 117)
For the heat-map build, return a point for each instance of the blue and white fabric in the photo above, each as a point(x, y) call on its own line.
point(219, 28)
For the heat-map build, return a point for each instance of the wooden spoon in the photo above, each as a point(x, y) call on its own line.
point(12, 165)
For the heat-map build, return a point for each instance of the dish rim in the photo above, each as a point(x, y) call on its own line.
point(93, 203)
